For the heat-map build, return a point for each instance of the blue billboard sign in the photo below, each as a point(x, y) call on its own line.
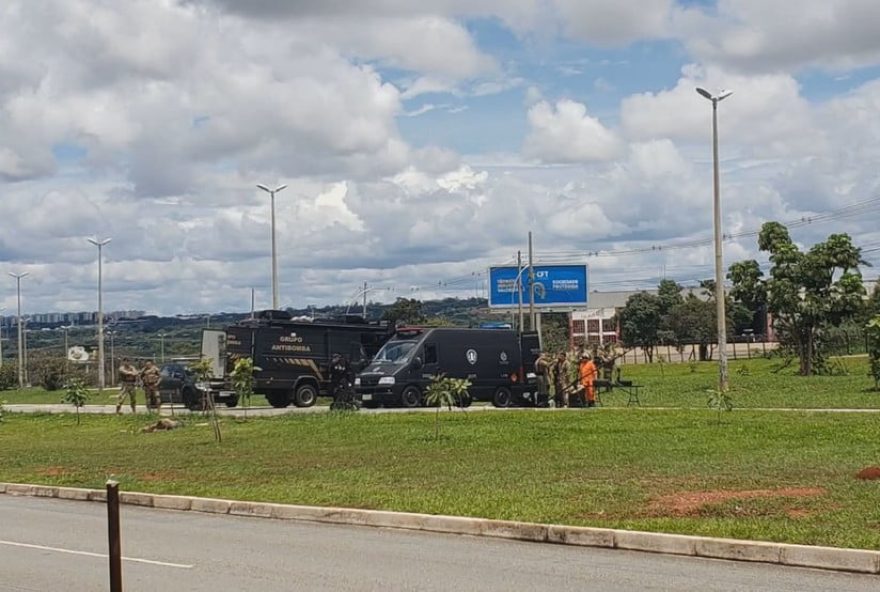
point(556, 286)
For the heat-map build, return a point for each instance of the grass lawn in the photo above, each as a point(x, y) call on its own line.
point(754, 384)
point(669, 471)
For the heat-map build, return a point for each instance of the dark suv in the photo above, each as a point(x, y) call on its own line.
point(177, 384)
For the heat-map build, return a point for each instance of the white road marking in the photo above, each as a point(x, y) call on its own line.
point(89, 554)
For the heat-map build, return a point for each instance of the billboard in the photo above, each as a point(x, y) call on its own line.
point(556, 286)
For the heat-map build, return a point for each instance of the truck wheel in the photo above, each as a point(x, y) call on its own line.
point(278, 400)
point(305, 395)
point(371, 404)
point(411, 397)
point(232, 402)
point(502, 397)
point(465, 401)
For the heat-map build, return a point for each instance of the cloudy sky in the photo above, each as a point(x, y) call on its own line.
point(421, 141)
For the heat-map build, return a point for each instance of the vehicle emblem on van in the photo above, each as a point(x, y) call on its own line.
point(503, 356)
point(471, 356)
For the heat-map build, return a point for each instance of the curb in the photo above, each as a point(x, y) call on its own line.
point(828, 558)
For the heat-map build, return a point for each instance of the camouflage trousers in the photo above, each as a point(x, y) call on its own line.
point(126, 390)
point(151, 396)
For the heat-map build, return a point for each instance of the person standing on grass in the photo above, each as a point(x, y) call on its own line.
point(560, 380)
point(128, 376)
point(542, 372)
point(588, 373)
point(150, 379)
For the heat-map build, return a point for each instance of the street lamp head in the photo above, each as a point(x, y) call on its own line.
point(280, 187)
point(264, 188)
point(714, 98)
point(18, 276)
point(98, 242)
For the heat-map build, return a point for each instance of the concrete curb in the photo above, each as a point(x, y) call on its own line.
point(829, 558)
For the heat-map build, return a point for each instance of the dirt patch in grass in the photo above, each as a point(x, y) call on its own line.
point(53, 471)
point(869, 474)
point(692, 503)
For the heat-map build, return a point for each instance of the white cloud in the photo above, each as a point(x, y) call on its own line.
point(566, 133)
point(615, 23)
point(757, 35)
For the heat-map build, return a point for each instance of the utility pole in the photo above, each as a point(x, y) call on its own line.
point(252, 303)
point(101, 366)
point(18, 277)
point(272, 193)
point(531, 286)
point(519, 291)
point(2, 321)
point(720, 304)
point(365, 301)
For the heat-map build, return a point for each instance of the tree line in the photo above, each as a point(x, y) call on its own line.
point(805, 294)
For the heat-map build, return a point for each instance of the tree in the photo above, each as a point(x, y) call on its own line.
point(807, 292)
point(873, 329)
point(693, 321)
point(202, 368)
point(76, 394)
point(640, 322)
point(405, 310)
point(242, 376)
point(445, 392)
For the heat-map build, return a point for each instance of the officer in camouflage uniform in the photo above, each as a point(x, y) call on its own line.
point(150, 379)
point(128, 376)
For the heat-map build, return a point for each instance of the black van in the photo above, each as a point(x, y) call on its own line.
point(498, 362)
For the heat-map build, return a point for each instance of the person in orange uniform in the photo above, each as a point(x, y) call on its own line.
point(588, 373)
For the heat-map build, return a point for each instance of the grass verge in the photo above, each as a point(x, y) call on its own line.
point(673, 471)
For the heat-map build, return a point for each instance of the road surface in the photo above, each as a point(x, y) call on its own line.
point(59, 545)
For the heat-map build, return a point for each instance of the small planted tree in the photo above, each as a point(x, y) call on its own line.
point(445, 392)
point(76, 394)
point(720, 401)
point(243, 381)
point(2, 410)
point(203, 373)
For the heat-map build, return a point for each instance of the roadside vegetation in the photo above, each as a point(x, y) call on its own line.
point(778, 476)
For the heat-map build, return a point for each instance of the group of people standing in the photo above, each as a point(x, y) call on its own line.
point(572, 375)
point(130, 376)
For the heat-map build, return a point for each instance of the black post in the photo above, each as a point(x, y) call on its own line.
point(113, 536)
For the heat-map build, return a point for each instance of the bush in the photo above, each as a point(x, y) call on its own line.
point(8, 376)
point(49, 373)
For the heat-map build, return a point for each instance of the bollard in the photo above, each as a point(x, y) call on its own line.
point(115, 553)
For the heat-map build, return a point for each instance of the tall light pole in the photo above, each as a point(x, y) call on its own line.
point(18, 277)
point(719, 260)
point(272, 193)
point(100, 244)
point(1, 336)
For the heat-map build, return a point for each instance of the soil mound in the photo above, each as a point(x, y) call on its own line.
point(869, 474)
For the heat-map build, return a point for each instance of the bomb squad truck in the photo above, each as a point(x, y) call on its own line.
point(292, 356)
point(499, 363)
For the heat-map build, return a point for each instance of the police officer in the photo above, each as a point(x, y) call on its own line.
point(561, 380)
point(341, 376)
point(128, 376)
point(542, 372)
point(150, 379)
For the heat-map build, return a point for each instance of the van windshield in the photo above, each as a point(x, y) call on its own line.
point(395, 352)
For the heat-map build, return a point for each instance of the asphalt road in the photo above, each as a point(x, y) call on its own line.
point(60, 545)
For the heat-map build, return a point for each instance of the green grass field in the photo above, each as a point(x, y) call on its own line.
point(754, 384)
point(669, 471)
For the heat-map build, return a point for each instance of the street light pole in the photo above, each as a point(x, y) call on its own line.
point(18, 277)
point(720, 313)
point(272, 193)
point(101, 378)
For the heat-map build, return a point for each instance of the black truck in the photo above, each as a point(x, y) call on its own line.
point(292, 355)
point(498, 362)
